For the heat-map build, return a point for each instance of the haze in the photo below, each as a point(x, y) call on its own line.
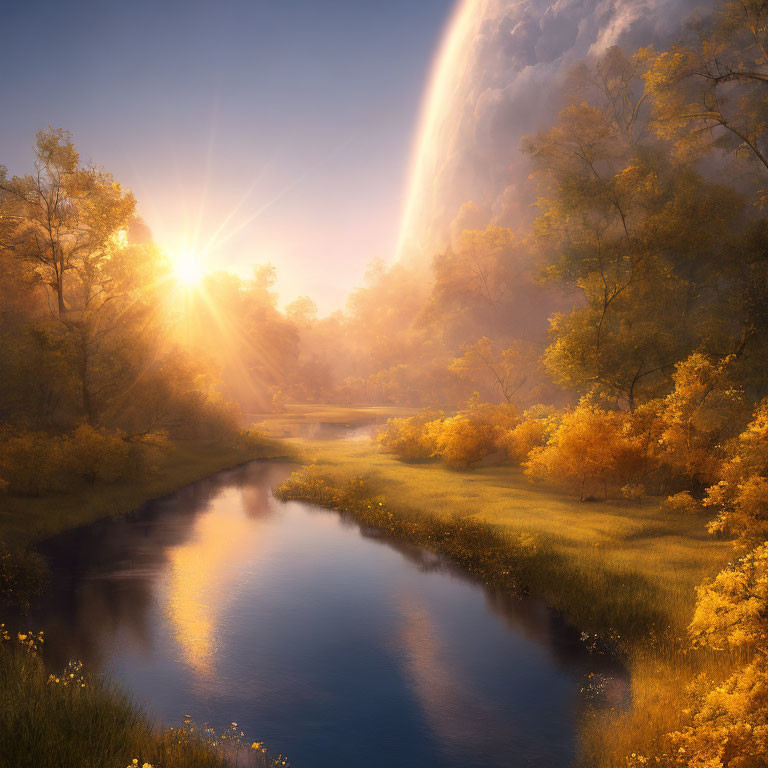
point(292, 122)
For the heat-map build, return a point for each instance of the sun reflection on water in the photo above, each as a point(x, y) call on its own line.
point(202, 578)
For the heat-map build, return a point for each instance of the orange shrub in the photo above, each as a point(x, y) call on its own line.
point(407, 437)
point(539, 422)
point(473, 433)
point(590, 446)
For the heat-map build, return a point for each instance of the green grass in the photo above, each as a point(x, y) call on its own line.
point(25, 520)
point(89, 723)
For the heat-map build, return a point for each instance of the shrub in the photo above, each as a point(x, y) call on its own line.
point(590, 445)
point(31, 463)
point(37, 463)
point(728, 722)
point(407, 437)
point(682, 503)
point(473, 433)
point(459, 442)
point(633, 492)
point(93, 455)
point(741, 493)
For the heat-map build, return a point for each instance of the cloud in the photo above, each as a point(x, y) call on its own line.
point(497, 78)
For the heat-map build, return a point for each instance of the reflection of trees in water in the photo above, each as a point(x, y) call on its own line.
point(532, 619)
point(105, 579)
point(104, 574)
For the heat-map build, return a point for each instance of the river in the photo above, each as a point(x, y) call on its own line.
point(334, 646)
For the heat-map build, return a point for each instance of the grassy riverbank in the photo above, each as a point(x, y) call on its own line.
point(85, 721)
point(78, 720)
point(294, 416)
point(25, 520)
point(647, 559)
point(624, 571)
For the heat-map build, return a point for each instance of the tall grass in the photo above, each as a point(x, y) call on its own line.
point(83, 721)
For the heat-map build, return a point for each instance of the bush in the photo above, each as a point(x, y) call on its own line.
point(682, 503)
point(408, 438)
point(591, 445)
point(538, 425)
point(741, 494)
point(95, 455)
point(473, 433)
point(36, 463)
point(31, 463)
point(459, 441)
point(633, 492)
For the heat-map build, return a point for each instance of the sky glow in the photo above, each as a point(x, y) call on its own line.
point(252, 132)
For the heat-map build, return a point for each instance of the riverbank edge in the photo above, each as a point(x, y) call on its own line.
point(38, 712)
point(26, 521)
point(660, 663)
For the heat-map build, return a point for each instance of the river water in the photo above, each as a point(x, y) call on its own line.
point(335, 647)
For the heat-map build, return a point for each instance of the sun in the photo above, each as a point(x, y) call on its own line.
point(187, 268)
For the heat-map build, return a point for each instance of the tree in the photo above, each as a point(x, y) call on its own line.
point(509, 370)
point(302, 311)
point(66, 216)
point(701, 412)
point(710, 92)
point(645, 239)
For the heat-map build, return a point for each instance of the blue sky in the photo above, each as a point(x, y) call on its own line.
point(288, 124)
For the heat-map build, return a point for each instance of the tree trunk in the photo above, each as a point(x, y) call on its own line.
point(85, 392)
point(60, 298)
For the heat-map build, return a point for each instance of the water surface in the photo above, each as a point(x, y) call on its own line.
point(333, 646)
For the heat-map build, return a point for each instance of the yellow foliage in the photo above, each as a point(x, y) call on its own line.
point(682, 502)
point(36, 463)
point(732, 610)
point(741, 495)
point(730, 722)
point(591, 444)
point(538, 424)
point(473, 433)
point(408, 437)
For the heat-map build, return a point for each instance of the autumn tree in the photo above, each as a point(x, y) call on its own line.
point(66, 216)
point(740, 495)
point(508, 370)
point(85, 320)
point(651, 246)
point(710, 92)
point(702, 411)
